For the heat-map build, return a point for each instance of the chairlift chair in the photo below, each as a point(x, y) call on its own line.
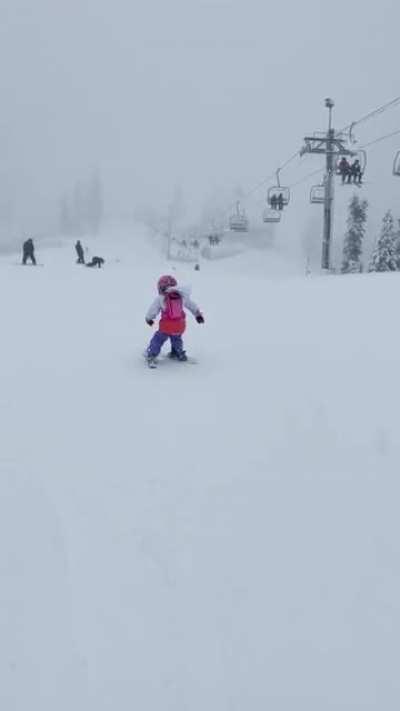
point(317, 194)
point(361, 156)
point(270, 215)
point(275, 193)
point(396, 164)
point(238, 222)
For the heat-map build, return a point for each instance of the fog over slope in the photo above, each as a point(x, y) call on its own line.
point(203, 95)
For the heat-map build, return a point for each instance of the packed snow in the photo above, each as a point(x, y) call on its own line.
point(221, 535)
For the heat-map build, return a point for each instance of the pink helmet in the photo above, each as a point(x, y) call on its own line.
point(164, 282)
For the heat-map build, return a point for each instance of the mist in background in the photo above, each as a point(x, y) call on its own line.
point(197, 96)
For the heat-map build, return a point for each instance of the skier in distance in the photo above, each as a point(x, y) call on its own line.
point(80, 253)
point(96, 262)
point(28, 251)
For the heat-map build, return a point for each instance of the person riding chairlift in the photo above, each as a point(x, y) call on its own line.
point(344, 169)
point(355, 172)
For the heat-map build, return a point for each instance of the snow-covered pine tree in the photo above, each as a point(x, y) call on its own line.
point(383, 257)
point(353, 240)
point(397, 246)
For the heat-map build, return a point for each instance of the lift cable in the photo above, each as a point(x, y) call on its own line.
point(307, 177)
point(381, 138)
point(375, 112)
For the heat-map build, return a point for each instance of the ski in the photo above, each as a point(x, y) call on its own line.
point(153, 363)
point(18, 264)
point(189, 360)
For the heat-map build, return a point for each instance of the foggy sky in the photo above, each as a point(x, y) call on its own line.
point(191, 92)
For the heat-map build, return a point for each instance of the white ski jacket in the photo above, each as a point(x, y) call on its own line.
point(158, 304)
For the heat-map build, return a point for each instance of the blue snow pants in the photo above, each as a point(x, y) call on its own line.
point(158, 341)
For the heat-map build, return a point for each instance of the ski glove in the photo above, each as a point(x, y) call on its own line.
point(149, 321)
point(200, 318)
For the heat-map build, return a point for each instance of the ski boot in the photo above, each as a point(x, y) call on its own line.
point(151, 361)
point(174, 355)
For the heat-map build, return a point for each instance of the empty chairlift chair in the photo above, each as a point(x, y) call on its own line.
point(317, 194)
point(238, 222)
point(396, 164)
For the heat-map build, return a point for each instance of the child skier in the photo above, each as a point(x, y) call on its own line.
point(171, 301)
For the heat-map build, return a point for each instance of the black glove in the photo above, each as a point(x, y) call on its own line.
point(149, 321)
point(200, 318)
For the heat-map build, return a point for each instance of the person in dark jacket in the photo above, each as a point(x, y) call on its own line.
point(80, 253)
point(344, 169)
point(355, 172)
point(96, 262)
point(28, 251)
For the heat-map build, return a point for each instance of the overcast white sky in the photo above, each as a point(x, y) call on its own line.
point(197, 92)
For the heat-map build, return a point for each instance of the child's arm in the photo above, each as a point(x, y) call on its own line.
point(193, 308)
point(154, 310)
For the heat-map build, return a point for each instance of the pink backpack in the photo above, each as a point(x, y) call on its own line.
point(173, 306)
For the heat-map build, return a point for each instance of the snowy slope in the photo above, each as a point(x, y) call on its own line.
point(222, 535)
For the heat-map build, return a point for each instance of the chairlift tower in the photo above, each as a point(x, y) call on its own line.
point(329, 188)
point(331, 146)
